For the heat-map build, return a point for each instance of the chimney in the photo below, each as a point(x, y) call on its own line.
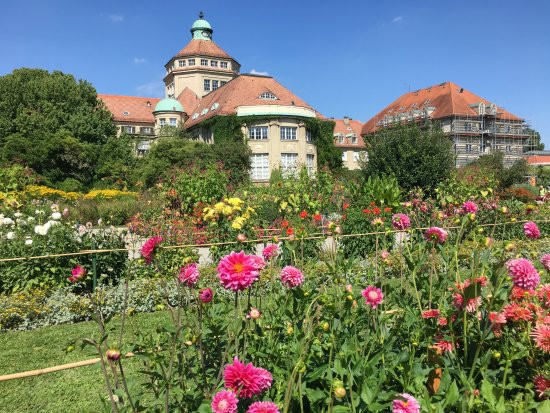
point(346, 120)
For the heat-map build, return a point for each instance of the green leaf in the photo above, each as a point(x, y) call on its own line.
point(451, 396)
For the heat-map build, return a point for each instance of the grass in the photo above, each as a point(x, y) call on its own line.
point(75, 390)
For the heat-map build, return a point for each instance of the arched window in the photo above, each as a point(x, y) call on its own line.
point(268, 96)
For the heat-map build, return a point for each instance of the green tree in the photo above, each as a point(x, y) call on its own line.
point(505, 177)
point(53, 124)
point(418, 158)
point(534, 143)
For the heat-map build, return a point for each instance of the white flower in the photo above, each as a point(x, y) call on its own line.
point(39, 212)
point(56, 216)
point(42, 229)
point(81, 230)
point(54, 207)
point(30, 219)
point(10, 235)
point(28, 241)
point(99, 221)
point(8, 221)
point(18, 215)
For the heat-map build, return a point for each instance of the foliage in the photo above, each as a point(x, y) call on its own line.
point(505, 177)
point(322, 132)
point(418, 158)
point(383, 190)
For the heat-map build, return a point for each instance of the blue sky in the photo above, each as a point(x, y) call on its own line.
point(344, 58)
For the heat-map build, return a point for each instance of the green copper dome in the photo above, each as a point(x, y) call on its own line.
point(201, 29)
point(169, 105)
point(201, 24)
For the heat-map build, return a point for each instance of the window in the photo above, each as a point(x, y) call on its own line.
point(289, 162)
point(355, 156)
point(344, 156)
point(259, 166)
point(162, 121)
point(146, 130)
point(207, 85)
point(129, 129)
point(214, 84)
point(354, 140)
point(288, 133)
point(340, 138)
point(308, 136)
point(223, 65)
point(182, 63)
point(468, 126)
point(508, 149)
point(258, 132)
point(215, 106)
point(214, 63)
point(204, 62)
point(191, 62)
point(268, 96)
point(468, 148)
point(223, 82)
point(173, 122)
point(310, 163)
point(125, 113)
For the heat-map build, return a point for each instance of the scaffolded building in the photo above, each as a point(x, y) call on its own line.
point(475, 125)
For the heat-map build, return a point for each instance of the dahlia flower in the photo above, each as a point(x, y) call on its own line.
point(442, 321)
point(384, 254)
point(516, 312)
point(400, 222)
point(245, 379)
point(523, 273)
point(263, 407)
point(497, 318)
point(224, 402)
point(254, 313)
point(436, 234)
point(77, 273)
point(405, 404)
point(541, 384)
point(430, 313)
point(206, 295)
point(545, 261)
point(259, 262)
point(149, 248)
point(291, 276)
point(237, 271)
point(544, 294)
point(373, 296)
point(189, 275)
point(531, 230)
point(444, 345)
point(270, 251)
point(469, 207)
point(541, 335)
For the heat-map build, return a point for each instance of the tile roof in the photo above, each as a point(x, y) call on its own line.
point(189, 100)
point(244, 90)
point(447, 98)
point(341, 127)
point(140, 109)
point(203, 48)
point(538, 159)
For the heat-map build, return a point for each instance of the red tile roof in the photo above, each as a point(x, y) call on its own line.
point(538, 159)
point(139, 109)
point(244, 90)
point(342, 128)
point(447, 98)
point(198, 47)
point(189, 100)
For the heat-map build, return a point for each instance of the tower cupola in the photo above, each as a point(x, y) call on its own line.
point(201, 29)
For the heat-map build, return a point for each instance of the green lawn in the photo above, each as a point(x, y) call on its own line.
point(74, 390)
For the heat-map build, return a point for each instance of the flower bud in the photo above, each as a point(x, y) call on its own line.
point(325, 326)
point(349, 288)
point(339, 392)
point(241, 237)
point(112, 354)
point(510, 247)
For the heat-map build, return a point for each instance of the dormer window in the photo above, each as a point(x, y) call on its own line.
point(148, 104)
point(204, 111)
point(195, 115)
point(215, 106)
point(125, 113)
point(268, 96)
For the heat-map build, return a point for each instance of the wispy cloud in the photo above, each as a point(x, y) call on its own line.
point(116, 18)
point(152, 89)
point(139, 60)
point(397, 19)
point(256, 72)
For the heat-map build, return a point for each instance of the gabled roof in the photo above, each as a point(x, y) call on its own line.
point(139, 109)
point(341, 127)
point(244, 90)
point(189, 100)
point(203, 48)
point(447, 98)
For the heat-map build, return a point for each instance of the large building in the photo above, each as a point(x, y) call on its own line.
point(347, 137)
point(476, 125)
point(203, 81)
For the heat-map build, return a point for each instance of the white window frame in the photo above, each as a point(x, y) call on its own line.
point(309, 138)
point(259, 166)
point(354, 140)
point(289, 163)
point(129, 129)
point(146, 130)
point(310, 163)
point(223, 65)
point(173, 122)
point(222, 82)
point(162, 121)
point(356, 157)
point(213, 63)
point(288, 133)
point(182, 63)
point(344, 156)
point(204, 62)
point(215, 84)
point(206, 85)
point(258, 133)
point(190, 62)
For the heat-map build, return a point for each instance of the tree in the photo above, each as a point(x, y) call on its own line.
point(418, 158)
point(534, 143)
point(53, 124)
point(505, 177)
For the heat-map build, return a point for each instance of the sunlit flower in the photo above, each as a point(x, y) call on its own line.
point(469, 207)
point(544, 294)
point(77, 273)
point(430, 313)
point(263, 407)
point(384, 254)
point(259, 262)
point(237, 271)
point(148, 249)
point(10, 235)
point(444, 346)
point(189, 275)
point(541, 335)
point(270, 251)
point(317, 217)
point(291, 276)
point(205, 295)
point(401, 222)
point(436, 234)
point(224, 402)
point(28, 242)
point(497, 318)
point(373, 296)
point(254, 313)
point(442, 321)
point(531, 230)
point(405, 403)
point(523, 273)
point(245, 379)
point(517, 312)
point(56, 216)
point(303, 214)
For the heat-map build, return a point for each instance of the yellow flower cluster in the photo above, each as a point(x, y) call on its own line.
point(41, 191)
point(21, 306)
point(228, 208)
point(108, 194)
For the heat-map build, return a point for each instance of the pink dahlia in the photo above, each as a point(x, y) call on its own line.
point(541, 335)
point(260, 263)
point(224, 402)
point(373, 296)
point(189, 275)
point(254, 313)
point(430, 313)
point(497, 318)
point(291, 276)
point(77, 273)
point(523, 273)
point(544, 294)
point(149, 248)
point(270, 251)
point(245, 379)
point(263, 407)
point(238, 271)
point(206, 295)
point(405, 404)
point(545, 261)
point(541, 384)
point(436, 234)
point(469, 207)
point(400, 222)
point(444, 346)
point(531, 230)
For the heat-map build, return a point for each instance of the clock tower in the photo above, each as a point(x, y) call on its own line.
point(201, 66)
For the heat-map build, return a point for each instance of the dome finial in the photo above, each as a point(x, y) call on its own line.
point(201, 15)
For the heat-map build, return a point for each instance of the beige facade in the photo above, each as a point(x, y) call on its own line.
point(352, 158)
point(201, 80)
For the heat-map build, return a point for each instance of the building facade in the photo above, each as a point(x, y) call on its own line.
point(347, 137)
point(475, 125)
point(202, 81)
